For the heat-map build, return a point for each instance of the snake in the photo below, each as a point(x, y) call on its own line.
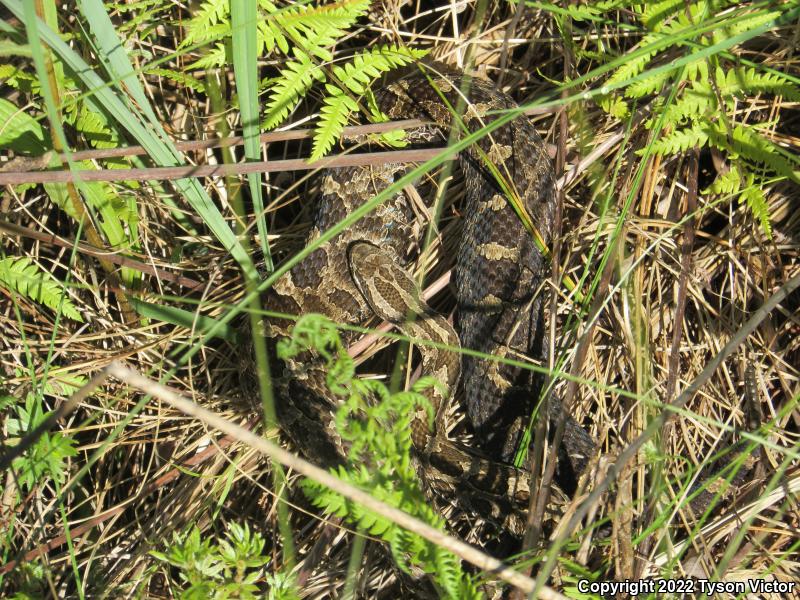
point(364, 273)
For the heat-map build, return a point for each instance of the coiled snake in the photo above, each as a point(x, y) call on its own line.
point(362, 273)
point(498, 274)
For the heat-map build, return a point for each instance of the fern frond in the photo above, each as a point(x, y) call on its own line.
point(377, 423)
point(736, 26)
point(180, 78)
point(749, 144)
point(615, 106)
point(596, 11)
point(741, 80)
point(727, 183)
point(697, 70)
point(312, 28)
point(635, 66)
point(654, 43)
point(699, 11)
point(210, 13)
point(214, 58)
point(696, 100)
point(294, 80)
point(61, 382)
point(366, 66)
point(333, 115)
point(19, 79)
point(26, 278)
point(582, 12)
point(680, 140)
point(753, 196)
point(650, 84)
point(355, 76)
point(95, 127)
point(653, 14)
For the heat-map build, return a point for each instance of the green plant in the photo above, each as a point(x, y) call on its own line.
point(112, 208)
point(377, 425)
point(32, 282)
point(47, 457)
point(709, 91)
point(304, 34)
point(230, 568)
point(30, 579)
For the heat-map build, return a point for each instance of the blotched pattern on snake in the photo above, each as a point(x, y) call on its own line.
point(498, 277)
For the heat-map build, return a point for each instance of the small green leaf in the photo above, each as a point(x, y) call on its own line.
point(20, 132)
point(25, 277)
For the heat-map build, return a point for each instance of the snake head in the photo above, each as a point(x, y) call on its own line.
point(386, 286)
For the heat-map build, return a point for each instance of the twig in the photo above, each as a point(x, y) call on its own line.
point(122, 261)
point(236, 140)
point(465, 551)
point(181, 172)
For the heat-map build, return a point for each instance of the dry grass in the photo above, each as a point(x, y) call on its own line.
point(670, 293)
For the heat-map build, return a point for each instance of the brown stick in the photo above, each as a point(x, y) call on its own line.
point(181, 172)
point(236, 140)
point(465, 551)
point(122, 261)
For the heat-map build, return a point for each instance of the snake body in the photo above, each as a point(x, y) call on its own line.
point(362, 273)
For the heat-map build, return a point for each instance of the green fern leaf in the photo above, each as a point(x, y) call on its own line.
point(626, 76)
point(753, 196)
point(697, 70)
point(312, 28)
point(726, 184)
point(366, 66)
point(654, 14)
point(741, 80)
point(61, 382)
point(582, 12)
point(382, 427)
point(20, 80)
point(746, 24)
point(215, 58)
point(615, 106)
point(294, 81)
point(335, 19)
point(635, 66)
point(680, 140)
point(26, 278)
point(649, 84)
point(749, 144)
point(355, 75)
point(695, 101)
point(183, 79)
point(332, 119)
point(201, 27)
point(95, 127)
point(395, 137)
